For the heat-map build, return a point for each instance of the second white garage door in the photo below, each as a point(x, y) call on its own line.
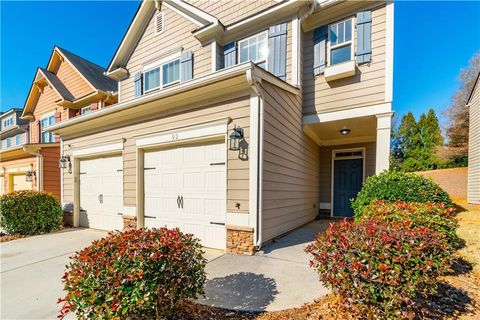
point(101, 190)
point(20, 183)
point(185, 187)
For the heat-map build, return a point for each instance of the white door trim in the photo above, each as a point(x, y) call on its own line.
point(363, 157)
point(212, 128)
point(98, 150)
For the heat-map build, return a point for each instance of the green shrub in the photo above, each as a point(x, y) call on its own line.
point(377, 267)
point(30, 212)
point(134, 274)
point(398, 185)
point(435, 216)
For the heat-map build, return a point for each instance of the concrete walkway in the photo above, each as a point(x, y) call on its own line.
point(274, 279)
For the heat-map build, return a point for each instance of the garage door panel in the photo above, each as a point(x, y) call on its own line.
point(101, 193)
point(188, 171)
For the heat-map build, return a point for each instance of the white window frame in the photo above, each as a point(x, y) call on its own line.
point(42, 128)
point(8, 122)
point(82, 110)
point(159, 64)
point(8, 142)
point(343, 44)
point(18, 139)
point(248, 38)
point(162, 13)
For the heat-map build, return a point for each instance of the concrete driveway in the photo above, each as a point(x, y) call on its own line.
point(274, 279)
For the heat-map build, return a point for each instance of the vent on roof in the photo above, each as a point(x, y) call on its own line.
point(159, 23)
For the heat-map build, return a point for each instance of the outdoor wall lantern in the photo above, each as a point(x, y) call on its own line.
point(29, 175)
point(235, 137)
point(65, 163)
point(344, 131)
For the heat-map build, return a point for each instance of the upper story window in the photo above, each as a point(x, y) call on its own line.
point(8, 142)
point(8, 122)
point(254, 48)
point(340, 47)
point(86, 110)
point(18, 139)
point(47, 121)
point(163, 75)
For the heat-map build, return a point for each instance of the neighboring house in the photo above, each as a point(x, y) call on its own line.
point(69, 86)
point(474, 144)
point(305, 86)
point(15, 162)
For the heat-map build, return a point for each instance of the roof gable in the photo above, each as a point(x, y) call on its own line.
point(140, 21)
point(90, 75)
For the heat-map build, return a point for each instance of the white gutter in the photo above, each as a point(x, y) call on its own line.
point(183, 87)
point(255, 83)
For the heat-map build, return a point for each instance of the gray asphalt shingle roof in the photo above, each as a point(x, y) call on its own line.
point(57, 84)
point(91, 71)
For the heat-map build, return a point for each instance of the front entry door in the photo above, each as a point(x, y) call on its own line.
point(347, 181)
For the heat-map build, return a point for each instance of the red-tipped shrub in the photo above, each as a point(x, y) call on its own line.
point(377, 266)
point(135, 274)
point(435, 216)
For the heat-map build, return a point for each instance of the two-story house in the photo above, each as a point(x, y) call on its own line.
point(14, 164)
point(237, 121)
point(67, 87)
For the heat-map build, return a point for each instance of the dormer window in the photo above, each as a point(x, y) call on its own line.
point(159, 23)
point(340, 37)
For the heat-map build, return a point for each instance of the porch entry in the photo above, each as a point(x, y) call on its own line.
point(348, 175)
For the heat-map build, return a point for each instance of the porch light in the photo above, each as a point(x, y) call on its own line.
point(235, 137)
point(344, 131)
point(29, 175)
point(65, 163)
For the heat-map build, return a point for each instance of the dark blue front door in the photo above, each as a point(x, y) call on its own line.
point(347, 181)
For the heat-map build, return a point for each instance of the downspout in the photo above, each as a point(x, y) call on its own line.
point(39, 157)
point(61, 173)
point(313, 6)
point(255, 84)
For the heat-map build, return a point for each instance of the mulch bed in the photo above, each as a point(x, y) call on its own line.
point(9, 237)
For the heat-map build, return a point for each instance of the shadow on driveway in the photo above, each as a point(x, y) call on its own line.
point(240, 291)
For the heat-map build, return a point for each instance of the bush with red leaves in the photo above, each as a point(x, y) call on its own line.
point(135, 274)
point(377, 266)
point(435, 216)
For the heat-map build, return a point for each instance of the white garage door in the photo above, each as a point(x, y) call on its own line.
point(101, 185)
point(185, 187)
point(20, 183)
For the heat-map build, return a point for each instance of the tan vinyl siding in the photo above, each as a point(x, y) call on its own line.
point(229, 12)
point(151, 47)
point(77, 85)
point(474, 148)
point(290, 165)
point(326, 166)
point(237, 170)
point(366, 88)
point(23, 140)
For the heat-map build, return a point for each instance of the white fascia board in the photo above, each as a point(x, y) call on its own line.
point(348, 114)
point(389, 41)
point(102, 149)
point(208, 129)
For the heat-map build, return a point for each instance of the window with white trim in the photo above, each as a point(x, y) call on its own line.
point(255, 49)
point(18, 139)
point(47, 137)
point(161, 76)
point(159, 23)
point(8, 122)
point(340, 40)
point(86, 110)
point(8, 142)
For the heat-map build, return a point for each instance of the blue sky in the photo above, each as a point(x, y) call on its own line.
point(433, 41)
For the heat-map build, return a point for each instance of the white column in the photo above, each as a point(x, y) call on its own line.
point(384, 122)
